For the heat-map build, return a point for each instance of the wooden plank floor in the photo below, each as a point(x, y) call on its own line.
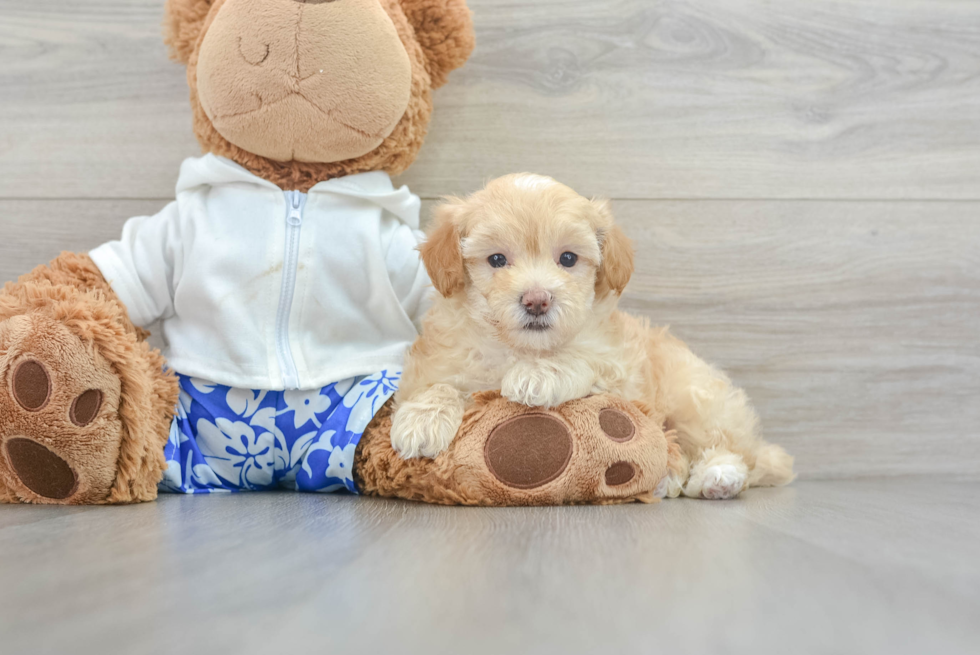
point(877, 566)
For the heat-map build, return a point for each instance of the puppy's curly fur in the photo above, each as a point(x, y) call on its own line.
point(529, 275)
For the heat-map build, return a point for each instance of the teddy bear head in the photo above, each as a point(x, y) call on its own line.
point(301, 91)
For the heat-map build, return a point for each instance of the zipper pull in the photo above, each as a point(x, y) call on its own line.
point(295, 217)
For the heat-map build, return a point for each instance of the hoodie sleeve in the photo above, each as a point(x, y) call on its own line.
point(141, 266)
point(408, 275)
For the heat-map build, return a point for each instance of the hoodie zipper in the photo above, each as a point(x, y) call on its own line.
point(295, 203)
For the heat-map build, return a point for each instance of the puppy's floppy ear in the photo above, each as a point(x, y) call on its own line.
point(442, 251)
point(616, 267)
point(182, 25)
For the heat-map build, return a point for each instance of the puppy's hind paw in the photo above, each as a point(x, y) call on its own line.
point(670, 486)
point(721, 482)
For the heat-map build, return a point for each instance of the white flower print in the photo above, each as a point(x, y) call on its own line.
point(244, 402)
point(379, 387)
point(235, 453)
point(344, 386)
point(203, 385)
point(172, 477)
point(184, 400)
point(299, 449)
point(366, 399)
point(341, 461)
point(204, 476)
point(176, 436)
point(361, 415)
point(322, 444)
point(305, 405)
point(266, 418)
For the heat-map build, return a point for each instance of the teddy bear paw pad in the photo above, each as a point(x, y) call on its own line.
point(620, 473)
point(31, 386)
point(39, 469)
point(616, 425)
point(528, 451)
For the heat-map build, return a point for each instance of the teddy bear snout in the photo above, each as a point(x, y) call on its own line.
point(277, 79)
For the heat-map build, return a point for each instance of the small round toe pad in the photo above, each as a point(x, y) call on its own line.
point(86, 407)
point(617, 425)
point(31, 386)
point(620, 473)
point(39, 469)
point(528, 451)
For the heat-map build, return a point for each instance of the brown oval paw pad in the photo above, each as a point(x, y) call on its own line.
point(39, 469)
point(86, 407)
point(617, 425)
point(31, 386)
point(528, 451)
point(620, 473)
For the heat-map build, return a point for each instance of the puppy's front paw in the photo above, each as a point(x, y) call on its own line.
point(426, 426)
point(534, 387)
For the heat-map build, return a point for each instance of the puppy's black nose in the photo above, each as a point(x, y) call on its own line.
point(536, 302)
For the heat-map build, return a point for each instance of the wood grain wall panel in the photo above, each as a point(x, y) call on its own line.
point(625, 98)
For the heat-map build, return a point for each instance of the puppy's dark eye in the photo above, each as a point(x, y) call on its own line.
point(568, 259)
point(497, 261)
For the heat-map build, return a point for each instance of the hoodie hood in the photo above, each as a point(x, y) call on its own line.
point(375, 186)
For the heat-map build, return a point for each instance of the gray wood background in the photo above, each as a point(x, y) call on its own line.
point(801, 179)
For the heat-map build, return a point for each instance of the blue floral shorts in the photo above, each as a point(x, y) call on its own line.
point(225, 439)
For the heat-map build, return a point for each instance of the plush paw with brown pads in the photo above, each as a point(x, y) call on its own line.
point(600, 449)
point(59, 419)
point(85, 404)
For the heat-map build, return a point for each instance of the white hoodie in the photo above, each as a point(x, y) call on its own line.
point(263, 289)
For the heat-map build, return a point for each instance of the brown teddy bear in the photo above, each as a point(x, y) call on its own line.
point(286, 280)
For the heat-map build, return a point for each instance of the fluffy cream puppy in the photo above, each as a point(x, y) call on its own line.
point(530, 274)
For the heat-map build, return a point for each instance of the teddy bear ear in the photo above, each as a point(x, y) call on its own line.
point(444, 29)
point(182, 24)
